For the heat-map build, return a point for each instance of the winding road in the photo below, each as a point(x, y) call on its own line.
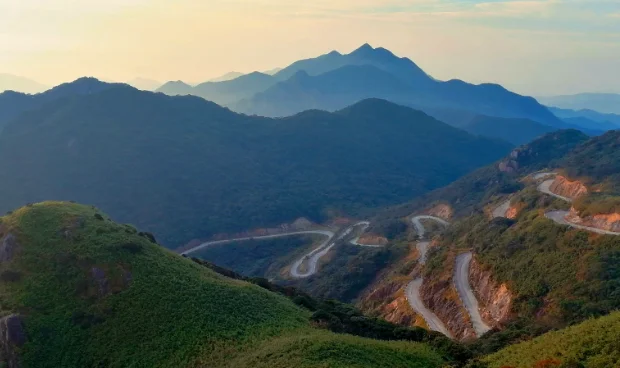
point(329, 234)
point(412, 292)
point(419, 228)
point(413, 296)
point(312, 257)
point(355, 241)
point(461, 282)
point(545, 187)
point(560, 216)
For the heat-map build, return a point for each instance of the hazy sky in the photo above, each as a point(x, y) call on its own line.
point(536, 47)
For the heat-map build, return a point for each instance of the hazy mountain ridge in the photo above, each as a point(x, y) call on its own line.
point(223, 92)
point(9, 82)
point(403, 82)
point(607, 103)
point(334, 81)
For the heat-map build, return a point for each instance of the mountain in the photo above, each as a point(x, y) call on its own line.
point(9, 82)
point(539, 261)
point(227, 92)
point(272, 71)
point(227, 77)
point(381, 58)
point(515, 131)
point(596, 161)
point(590, 118)
point(333, 81)
point(12, 103)
point(174, 88)
point(144, 84)
point(109, 296)
point(185, 168)
point(608, 103)
point(475, 190)
point(330, 91)
point(223, 92)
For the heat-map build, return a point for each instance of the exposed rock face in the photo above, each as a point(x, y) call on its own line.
point(443, 211)
point(442, 299)
point(609, 222)
point(8, 246)
point(101, 280)
point(372, 239)
point(512, 213)
point(511, 163)
point(495, 299)
point(12, 336)
point(508, 166)
point(566, 188)
point(389, 302)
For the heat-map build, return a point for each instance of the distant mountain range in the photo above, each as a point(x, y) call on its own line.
point(9, 82)
point(588, 118)
point(227, 77)
point(516, 131)
point(225, 92)
point(144, 84)
point(187, 168)
point(334, 81)
point(603, 102)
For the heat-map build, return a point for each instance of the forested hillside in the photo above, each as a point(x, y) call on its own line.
point(185, 168)
point(474, 191)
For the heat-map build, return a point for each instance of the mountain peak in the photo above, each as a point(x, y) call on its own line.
point(365, 48)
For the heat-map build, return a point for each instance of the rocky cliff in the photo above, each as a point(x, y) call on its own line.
point(442, 298)
point(494, 298)
point(512, 212)
point(443, 211)
point(388, 301)
point(12, 337)
point(567, 188)
point(609, 222)
point(372, 239)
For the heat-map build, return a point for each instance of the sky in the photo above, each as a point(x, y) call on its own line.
point(535, 47)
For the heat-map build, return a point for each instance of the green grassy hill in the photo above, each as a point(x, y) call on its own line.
point(591, 344)
point(93, 293)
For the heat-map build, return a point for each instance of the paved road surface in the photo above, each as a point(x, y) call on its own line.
point(545, 186)
point(413, 296)
point(312, 258)
point(355, 241)
point(327, 233)
point(461, 281)
point(543, 175)
point(419, 228)
point(501, 210)
point(412, 292)
point(560, 218)
point(422, 247)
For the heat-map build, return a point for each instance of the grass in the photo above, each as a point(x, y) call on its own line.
point(591, 344)
point(96, 293)
point(320, 349)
